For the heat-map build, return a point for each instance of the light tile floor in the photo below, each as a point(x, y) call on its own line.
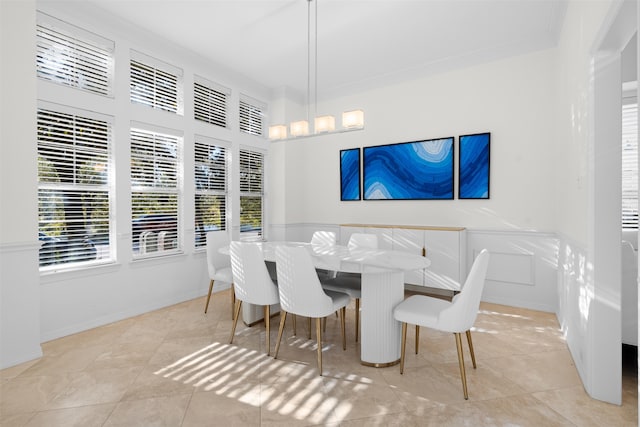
point(174, 367)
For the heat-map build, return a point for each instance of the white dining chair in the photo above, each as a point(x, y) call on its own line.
point(218, 265)
point(252, 283)
point(324, 238)
point(351, 283)
point(457, 316)
point(301, 294)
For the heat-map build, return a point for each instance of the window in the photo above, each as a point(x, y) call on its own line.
point(154, 191)
point(210, 188)
point(210, 102)
point(251, 192)
point(155, 84)
point(251, 115)
point(73, 57)
point(73, 187)
point(630, 163)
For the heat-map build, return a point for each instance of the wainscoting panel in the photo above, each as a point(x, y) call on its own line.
point(516, 268)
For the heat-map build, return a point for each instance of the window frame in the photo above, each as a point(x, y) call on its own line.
point(73, 155)
point(152, 89)
point(199, 140)
point(210, 102)
point(251, 188)
point(153, 182)
point(251, 115)
point(73, 57)
point(629, 190)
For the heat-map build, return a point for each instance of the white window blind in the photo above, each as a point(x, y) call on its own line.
point(210, 102)
point(73, 188)
point(154, 192)
point(210, 188)
point(630, 165)
point(155, 84)
point(251, 115)
point(73, 57)
point(251, 191)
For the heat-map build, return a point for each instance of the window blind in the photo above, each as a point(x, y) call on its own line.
point(630, 166)
point(251, 116)
point(154, 192)
point(155, 86)
point(210, 102)
point(73, 57)
point(251, 191)
point(210, 188)
point(74, 188)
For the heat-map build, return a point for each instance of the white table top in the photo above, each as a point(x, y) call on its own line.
point(356, 260)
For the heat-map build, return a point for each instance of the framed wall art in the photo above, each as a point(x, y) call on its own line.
point(473, 166)
point(350, 174)
point(418, 170)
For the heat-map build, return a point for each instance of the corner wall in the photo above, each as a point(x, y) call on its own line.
point(19, 288)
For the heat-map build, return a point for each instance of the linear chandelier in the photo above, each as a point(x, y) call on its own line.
point(322, 125)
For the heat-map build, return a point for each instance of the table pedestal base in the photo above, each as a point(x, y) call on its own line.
point(380, 335)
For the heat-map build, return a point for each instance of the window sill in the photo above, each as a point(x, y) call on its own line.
point(51, 275)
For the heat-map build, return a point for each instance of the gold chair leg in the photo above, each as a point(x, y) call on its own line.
point(233, 299)
point(294, 325)
point(343, 314)
point(403, 346)
point(267, 321)
point(417, 337)
point(235, 320)
point(319, 336)
point(357, 318)
point(463, 375)
point(283, 318)
point(473, 355)
point(206, 306)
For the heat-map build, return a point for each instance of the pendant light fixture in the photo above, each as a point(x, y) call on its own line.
point(322, 125)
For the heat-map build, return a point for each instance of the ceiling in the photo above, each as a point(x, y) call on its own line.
point(360, 43)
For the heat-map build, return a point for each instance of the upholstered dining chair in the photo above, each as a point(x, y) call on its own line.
point(324, 238)
point(351, 283)
point(218, 265)
point(457, 316)
point(252, 283)
point(301, 294)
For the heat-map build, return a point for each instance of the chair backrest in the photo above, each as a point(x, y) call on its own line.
point(363, 240)
point(462, 313)
point(251, 280)
point(216, 260)
point(323, 238)
point(300, 290)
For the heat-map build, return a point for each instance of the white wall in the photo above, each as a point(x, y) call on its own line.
point(512, 99)
point(19, 291)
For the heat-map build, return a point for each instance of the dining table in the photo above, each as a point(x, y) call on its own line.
point(382, 280)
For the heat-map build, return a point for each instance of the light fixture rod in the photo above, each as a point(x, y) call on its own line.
point(308, 59)
point(315, 63)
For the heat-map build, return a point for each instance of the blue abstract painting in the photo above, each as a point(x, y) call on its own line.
point(350, 174)
point(473, 168)
point(420, 170)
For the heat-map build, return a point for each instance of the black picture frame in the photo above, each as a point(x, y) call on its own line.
point(350, 188)
point(415, 170)
point(474, 166)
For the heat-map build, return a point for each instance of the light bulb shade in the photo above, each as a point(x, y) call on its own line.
point(277, 132)
point(325, 124)
point(299, 128)
point(353, 119)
